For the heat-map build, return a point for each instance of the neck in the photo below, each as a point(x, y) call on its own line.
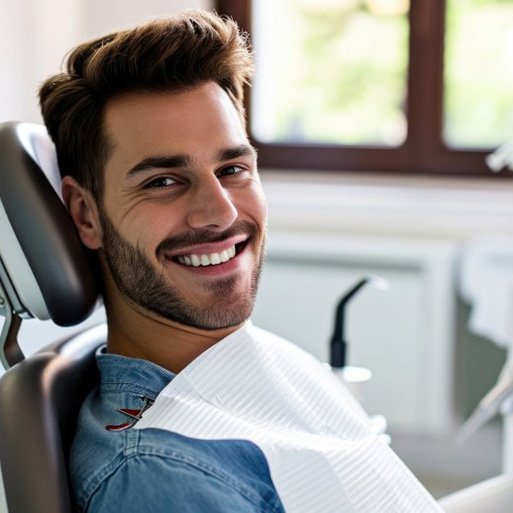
point(138, 334)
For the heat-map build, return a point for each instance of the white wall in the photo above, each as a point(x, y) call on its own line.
point(35, 36)
point(33, 40)
point(99, 17)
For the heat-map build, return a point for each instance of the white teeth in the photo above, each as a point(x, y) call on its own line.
point(215, 258)
point(204, 260)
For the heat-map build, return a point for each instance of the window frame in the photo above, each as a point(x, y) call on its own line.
point(424, 151)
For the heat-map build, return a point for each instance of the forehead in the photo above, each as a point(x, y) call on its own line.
point(190, 121)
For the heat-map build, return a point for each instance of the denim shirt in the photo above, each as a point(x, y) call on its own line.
point(115, 468)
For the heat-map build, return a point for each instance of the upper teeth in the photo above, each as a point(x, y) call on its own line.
point(203, 260)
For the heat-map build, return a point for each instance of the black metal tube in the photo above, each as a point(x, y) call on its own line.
point(338, 342)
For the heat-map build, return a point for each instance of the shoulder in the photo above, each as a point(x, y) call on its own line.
point(101, 440)
point(167, 472)
point(96, 451)
point(116, 470)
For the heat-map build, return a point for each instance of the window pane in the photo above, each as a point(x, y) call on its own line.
point(330, 71)
point(478, 109)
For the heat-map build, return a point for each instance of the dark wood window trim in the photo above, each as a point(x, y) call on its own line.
point(424, 151)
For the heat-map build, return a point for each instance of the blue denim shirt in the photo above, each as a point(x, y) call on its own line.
point(115, 468)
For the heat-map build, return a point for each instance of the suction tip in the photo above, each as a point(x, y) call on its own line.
point(378, 282)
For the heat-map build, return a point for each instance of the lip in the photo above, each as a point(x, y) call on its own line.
point(208, 249)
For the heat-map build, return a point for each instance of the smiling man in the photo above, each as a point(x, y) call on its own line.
point(182, 203)
point(197, 411)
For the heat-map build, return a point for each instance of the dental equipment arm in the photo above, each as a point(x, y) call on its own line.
point(491, 403)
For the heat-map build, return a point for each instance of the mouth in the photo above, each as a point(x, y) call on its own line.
point(201, 259)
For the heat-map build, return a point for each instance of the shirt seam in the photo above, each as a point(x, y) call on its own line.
point(131, 439)
point(128, 387)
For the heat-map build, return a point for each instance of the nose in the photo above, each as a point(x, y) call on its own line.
point(211, 206)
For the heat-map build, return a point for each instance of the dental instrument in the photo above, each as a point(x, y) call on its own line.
point(338, 344)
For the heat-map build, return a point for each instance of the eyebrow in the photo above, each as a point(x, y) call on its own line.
point(166, 162)
point(185, 161)
point(238, 151)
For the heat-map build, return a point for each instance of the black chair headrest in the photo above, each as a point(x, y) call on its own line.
point(45, 270)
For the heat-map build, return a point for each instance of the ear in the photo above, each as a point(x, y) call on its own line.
point(84, 212)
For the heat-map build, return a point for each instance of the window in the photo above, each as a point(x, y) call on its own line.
point(412, 86)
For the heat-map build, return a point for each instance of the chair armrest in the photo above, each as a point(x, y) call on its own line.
point(494, 495)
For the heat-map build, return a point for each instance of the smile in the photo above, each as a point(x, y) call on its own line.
point(211, 259)
point(205, 256)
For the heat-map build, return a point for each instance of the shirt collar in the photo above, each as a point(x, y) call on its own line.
point(121, 372)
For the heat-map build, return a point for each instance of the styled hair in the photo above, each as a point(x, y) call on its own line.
point(174, 53)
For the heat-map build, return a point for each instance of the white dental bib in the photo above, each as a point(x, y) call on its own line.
point(322, 455)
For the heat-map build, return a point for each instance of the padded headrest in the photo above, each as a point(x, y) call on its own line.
point(45, 270)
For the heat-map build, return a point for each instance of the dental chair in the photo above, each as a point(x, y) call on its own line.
point(45, 273)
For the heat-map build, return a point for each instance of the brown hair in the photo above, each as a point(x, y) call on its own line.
point(165, 54)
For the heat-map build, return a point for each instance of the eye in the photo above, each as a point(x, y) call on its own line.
point(231, 170)
point(160, 182)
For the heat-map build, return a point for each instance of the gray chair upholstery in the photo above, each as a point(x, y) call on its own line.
point(45, 273)
point(39, 402)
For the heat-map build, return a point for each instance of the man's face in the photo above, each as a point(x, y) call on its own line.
point(183, 211)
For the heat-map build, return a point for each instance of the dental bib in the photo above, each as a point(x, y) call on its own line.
point(322, 454)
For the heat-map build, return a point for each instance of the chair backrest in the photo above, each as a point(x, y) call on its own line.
point(39, 402)
point(45, 273)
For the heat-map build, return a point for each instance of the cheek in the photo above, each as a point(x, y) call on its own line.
point(254, 205)
point(147, 230)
